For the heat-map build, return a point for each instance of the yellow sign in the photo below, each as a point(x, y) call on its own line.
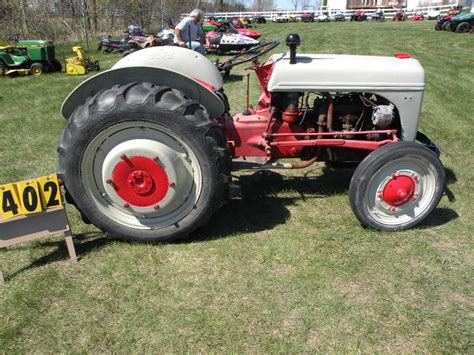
point(28, 193)
point(50, 192)
point(9, 201)
point(31, 196)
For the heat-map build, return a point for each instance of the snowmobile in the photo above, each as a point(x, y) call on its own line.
point(228, 42)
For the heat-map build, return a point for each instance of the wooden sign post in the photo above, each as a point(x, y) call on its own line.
point(31, 210)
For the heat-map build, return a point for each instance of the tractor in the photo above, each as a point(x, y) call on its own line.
point(28, 57)
point(150, 144)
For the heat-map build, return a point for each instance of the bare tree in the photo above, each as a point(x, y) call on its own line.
point(295, 4)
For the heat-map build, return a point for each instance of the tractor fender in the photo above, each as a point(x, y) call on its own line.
point(174, 67)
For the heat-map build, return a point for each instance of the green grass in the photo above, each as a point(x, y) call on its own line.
point(284, 266)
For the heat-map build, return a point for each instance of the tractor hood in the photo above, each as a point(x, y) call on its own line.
point(175, 67)
point(328, 72)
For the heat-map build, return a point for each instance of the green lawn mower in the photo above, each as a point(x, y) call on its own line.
point(33, 57)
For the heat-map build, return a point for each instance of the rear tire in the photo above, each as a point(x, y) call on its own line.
point(144, 163)
point(463, 27)
point(438, 27)
point(396, 186)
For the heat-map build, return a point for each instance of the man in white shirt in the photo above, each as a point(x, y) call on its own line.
point(190, 33)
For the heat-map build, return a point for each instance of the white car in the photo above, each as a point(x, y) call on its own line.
point(279, 18)
point(323, 17)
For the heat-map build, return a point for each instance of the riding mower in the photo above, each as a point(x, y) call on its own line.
point(444, 22)
point(400, 15)
point(419, 16)
point(378, 15)
point(359, 16)
point(80, 64)
point(462, 23)
point(150, 144)
point(28, 57)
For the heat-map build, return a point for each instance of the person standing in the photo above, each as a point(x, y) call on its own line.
point(189, 33)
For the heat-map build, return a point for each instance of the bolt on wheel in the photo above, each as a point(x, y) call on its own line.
point(141, 175)
point(396, 186)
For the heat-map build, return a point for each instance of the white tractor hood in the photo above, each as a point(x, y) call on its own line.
point(329, 72)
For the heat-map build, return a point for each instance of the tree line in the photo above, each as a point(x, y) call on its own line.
point(61, 20)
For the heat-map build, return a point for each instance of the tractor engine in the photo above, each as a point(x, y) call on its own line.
point(313, 126)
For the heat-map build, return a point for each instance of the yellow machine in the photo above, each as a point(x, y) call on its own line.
point(80, 64)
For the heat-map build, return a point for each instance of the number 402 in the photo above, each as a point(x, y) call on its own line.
point(31, 196)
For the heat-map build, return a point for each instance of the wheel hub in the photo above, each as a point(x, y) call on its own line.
point(399, 190)
point(140, 181)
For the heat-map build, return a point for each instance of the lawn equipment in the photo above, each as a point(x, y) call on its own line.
point(378, 15)
point(462, 23)
point(149, 144)
point(33, 57)
point(359, 16)
point(259, 19)
point(444, 22)
point(308, 14)
point(119, 44)
point(339, 16)
point(400, 15)
point(419, 16)
point(80, 64)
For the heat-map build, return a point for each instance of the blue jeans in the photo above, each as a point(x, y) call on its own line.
point(197, 46)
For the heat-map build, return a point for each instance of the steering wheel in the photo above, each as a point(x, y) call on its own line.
point(248, 55)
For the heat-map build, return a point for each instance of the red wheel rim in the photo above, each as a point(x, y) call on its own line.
point(399, 190)
point(140, 181)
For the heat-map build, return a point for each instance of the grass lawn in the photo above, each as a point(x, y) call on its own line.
point(284, 266)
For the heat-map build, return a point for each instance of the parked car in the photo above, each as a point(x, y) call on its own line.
point(279, 18)
point(339, 16)
point(323, 17)
point(433, 14)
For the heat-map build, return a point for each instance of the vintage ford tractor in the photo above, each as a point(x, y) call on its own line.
point(150, 144)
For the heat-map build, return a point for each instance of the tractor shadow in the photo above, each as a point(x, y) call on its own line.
point(259, 201)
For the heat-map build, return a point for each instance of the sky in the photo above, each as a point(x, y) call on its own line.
point(287, 5)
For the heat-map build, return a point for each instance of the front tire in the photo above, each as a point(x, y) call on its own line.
point(396, 186)
point(463, 27)
point(144, 162)
point(36, 69)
